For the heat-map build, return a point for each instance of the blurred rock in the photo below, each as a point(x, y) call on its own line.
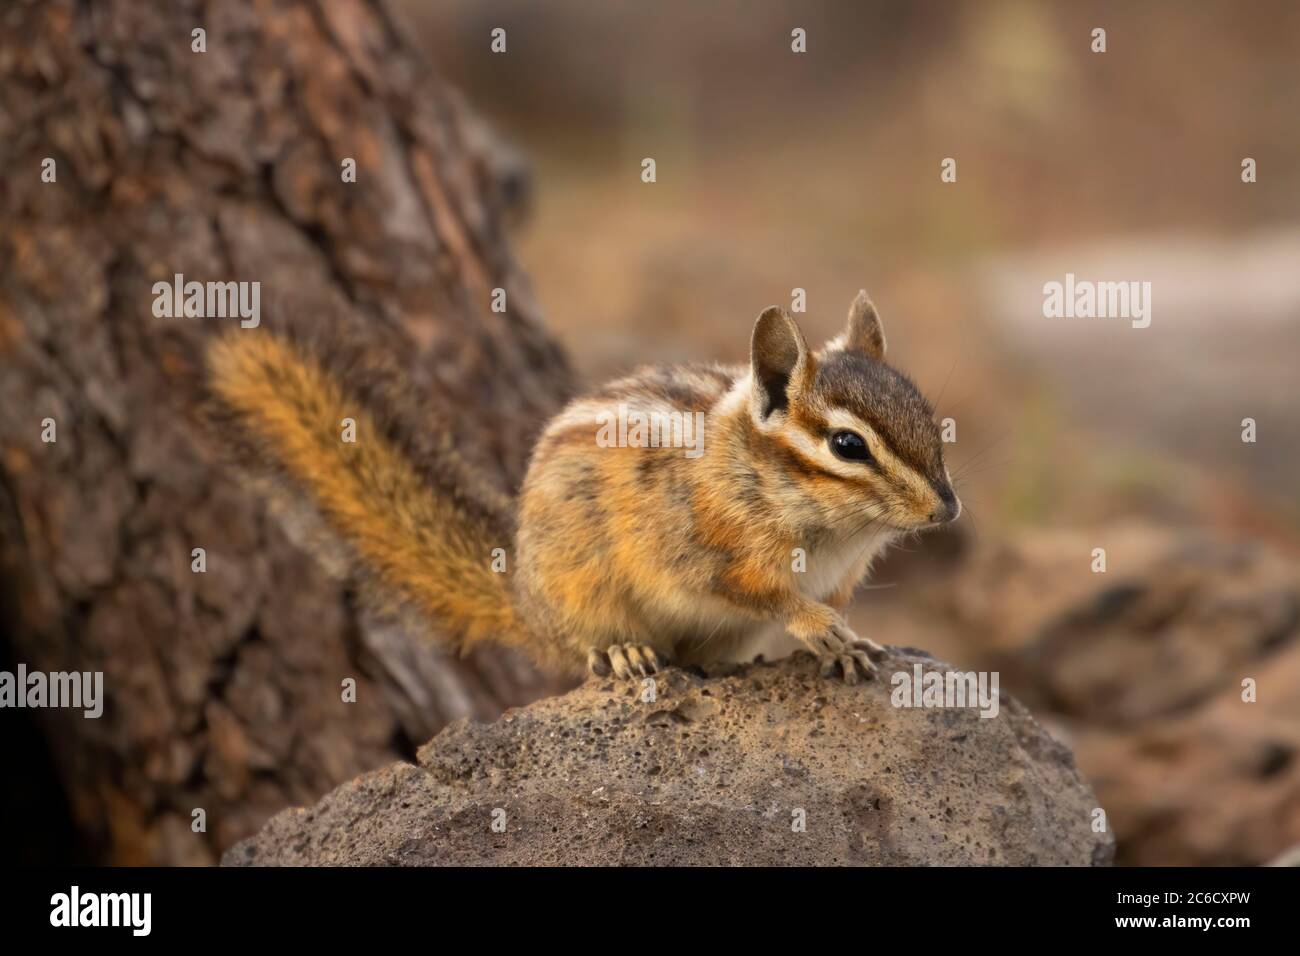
point(714, 771)
point(1289, 857)
point(1172, 621)
point(1219, 786)
point(1142, 668)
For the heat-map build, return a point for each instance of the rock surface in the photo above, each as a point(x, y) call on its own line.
point(717, 770)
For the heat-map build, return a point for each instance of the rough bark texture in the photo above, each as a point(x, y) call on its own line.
point(762, 765)
point(223, 688)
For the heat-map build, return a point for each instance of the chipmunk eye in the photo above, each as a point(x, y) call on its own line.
point(850, 446)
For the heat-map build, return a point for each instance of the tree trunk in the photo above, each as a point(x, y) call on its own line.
point(223, 688)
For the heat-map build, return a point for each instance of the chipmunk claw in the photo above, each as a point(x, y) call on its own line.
point(870, 648)
point(853, 665)
point(624, 661)
point(839, 649)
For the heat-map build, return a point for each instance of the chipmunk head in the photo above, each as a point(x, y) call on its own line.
point(855, 437)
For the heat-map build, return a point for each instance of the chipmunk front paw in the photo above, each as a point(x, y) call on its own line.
point(839, 649)
point(626, 661)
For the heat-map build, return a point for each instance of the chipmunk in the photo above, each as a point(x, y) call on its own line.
point(629, 559)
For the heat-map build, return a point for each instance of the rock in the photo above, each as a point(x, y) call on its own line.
point(1176, 618)
point(717, 770)
point(1215, 786)
point(1141, 670)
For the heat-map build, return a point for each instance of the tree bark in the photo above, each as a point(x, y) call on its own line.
point(223, 688)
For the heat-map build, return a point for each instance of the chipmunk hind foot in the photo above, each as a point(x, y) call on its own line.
point(625, 661)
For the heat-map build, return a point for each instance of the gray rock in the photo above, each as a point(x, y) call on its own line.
point(716, 770)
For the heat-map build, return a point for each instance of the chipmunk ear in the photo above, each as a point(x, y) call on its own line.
point(781, 363)
point(865, 333)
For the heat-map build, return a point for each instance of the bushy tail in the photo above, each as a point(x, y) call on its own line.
point(427, 534)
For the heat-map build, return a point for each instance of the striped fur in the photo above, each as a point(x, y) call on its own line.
point(426, 535)
point(693, 558)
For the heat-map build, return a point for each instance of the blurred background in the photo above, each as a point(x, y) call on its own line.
point(776, 171)
point(821, 171)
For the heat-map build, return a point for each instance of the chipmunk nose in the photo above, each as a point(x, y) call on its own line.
point(949, 508)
